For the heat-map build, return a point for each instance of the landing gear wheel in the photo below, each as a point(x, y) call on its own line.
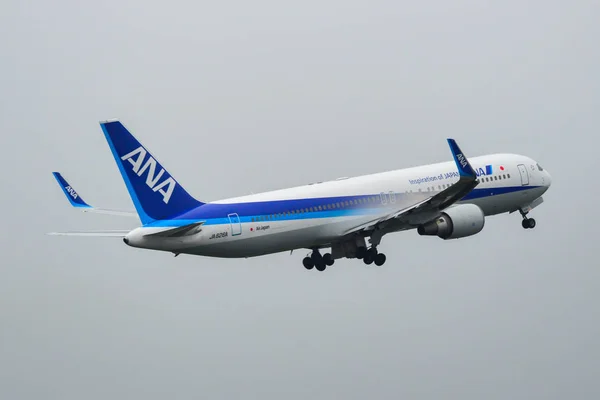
point(308, 263)
point(320, 266)
point(318, 260)
point(528, 223)
point(370, 256)
point(328, 259)
point(360, 252)
point(380, 259)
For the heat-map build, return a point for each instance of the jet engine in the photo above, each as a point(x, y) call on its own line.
point(455, 222)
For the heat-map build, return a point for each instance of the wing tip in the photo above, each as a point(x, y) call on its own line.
point(462, 163)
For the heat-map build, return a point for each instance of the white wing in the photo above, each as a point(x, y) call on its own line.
point(431, 207)
point(77, 201)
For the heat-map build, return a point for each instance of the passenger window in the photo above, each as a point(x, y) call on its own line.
point(495, 178)
point(392, 197)
point(508, 176)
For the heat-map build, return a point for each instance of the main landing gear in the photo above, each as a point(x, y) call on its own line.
point(527, 223)
point(344, 250)
point(370, 256)
point(318, 261)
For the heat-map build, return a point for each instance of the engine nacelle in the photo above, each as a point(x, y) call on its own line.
point(455, 222)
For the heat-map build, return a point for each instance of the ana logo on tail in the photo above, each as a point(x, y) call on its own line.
point(462, 160)
point(71, 192)
point(165, 187)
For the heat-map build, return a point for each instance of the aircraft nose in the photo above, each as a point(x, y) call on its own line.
point(547, 179)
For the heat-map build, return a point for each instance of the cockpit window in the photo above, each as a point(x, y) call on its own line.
point(540, 167)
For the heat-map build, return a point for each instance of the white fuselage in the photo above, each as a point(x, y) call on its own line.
point(289, 219)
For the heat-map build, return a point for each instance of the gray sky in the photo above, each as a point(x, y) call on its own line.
point(239, 97)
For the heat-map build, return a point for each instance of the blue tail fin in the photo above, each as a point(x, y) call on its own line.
point(155, 193)
point(75, 199)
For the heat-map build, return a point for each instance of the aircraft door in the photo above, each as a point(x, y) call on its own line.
point(524, 175)
point(236, 224)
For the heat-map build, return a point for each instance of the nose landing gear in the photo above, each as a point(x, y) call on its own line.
point(527, 223)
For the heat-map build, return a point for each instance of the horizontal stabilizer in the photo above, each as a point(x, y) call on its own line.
point(110, 212)
point(116, 233)
point(186, 230)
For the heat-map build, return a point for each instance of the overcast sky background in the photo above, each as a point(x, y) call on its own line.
point(246, 96)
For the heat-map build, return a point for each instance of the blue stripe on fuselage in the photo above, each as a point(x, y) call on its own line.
point(216, 214)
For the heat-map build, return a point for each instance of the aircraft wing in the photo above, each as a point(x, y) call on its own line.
point(77, 201)
point(431, 207)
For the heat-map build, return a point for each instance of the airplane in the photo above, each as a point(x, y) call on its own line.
point(449, 200)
